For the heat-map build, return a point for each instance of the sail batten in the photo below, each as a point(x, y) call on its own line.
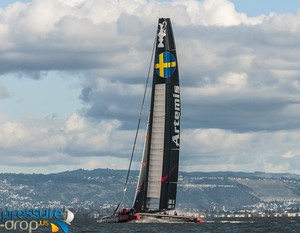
point(156, 147)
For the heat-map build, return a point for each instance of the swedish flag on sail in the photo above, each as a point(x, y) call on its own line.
point(165, 65)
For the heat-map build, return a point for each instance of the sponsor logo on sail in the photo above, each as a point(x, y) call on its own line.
point(165, 65)
point(176, 123)
point(32, 219)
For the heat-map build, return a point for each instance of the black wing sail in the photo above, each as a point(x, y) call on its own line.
point(157, 185)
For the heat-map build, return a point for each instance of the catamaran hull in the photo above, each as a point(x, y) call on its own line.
point(119, 218)
point(150, 218)
point(160, 218)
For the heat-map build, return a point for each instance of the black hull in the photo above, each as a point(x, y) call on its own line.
point(119, 218)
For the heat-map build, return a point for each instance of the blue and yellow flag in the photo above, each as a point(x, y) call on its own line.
point(165, 65)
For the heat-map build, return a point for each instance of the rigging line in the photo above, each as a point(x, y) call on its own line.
point(138, 126)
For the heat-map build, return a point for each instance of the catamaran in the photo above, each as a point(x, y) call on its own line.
point(157, 182)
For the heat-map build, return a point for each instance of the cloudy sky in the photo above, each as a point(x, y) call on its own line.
point(72, 74)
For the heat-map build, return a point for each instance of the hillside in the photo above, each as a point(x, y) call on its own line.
point(104, 187)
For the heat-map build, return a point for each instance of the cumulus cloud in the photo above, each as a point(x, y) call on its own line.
point(239, 75)
point(81, 34)
point(45, 143)
point(106, 99)
point(216, 149)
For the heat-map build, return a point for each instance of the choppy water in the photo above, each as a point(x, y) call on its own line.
point(265, 225)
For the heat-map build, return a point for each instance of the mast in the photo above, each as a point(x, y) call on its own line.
point(157, 185)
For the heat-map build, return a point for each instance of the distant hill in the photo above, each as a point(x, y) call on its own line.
point(104, 187)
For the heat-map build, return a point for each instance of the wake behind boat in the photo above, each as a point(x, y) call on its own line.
point(157, 182)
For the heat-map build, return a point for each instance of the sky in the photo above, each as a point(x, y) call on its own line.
point(72, 75)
